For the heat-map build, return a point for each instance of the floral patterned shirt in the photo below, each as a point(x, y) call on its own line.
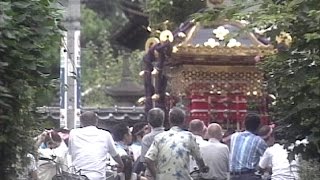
point(171, 152)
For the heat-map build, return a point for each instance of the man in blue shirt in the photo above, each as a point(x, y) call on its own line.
point(246, 149)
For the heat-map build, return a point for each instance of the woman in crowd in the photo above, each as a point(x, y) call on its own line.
point(265, 133)
point(50, 146)
point(138, 131)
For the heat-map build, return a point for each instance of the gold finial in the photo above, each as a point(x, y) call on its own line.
point(141, 73)
point(155, 97)
point(166, 35)
point(165, 24)
point(284, 38)
point(155, 71)
point(151, 42)
point(141, 100)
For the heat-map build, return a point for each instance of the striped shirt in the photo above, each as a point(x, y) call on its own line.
point(245, 151)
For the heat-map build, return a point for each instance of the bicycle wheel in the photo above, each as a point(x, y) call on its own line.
point(69, 176)
point(195, 175)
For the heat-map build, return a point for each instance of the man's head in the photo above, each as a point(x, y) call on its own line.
point(121, 132)
point(197, 127)
point(88, 118)
point(176, 116)
point(155, 117)
point(267, 133)
point(264, 132)
point(252, 122)
point(214, 131)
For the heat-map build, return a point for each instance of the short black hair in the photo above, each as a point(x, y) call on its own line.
point(176, 116)
point(264, 130)
point(155, 117)
point(53, 136)
point(119, 130)
point(138, 130)
point(252, 122)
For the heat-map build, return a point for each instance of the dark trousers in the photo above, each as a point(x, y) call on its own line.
point(248, 176)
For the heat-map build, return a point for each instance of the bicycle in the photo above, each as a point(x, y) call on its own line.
point(111, 173)
point(64, 175)
point(195, 174)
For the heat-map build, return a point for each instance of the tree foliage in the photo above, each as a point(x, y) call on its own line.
point(293, 74)
point(28, 34)
point(101, 65)
point(92, 25)
point(176, 11)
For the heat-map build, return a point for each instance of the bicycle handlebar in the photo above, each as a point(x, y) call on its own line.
point(45, 159)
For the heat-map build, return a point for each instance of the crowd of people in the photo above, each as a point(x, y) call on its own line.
point(149, 152)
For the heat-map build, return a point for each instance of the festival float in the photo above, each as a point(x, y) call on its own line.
point(210, 70)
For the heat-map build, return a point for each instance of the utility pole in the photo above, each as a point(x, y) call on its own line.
point(70, 97)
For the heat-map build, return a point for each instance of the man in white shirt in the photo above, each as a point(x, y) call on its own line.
point(215, 154)
point(138, 131)
point(50, 146)
point(198, 129)
point(47, 169)
point(276, 157)
point(89, 147)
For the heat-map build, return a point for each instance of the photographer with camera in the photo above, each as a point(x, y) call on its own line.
point(50, 145)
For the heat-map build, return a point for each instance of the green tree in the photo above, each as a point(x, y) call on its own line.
point(28, 34)
point(101, 63)
point(176, 11)
point(293, 73)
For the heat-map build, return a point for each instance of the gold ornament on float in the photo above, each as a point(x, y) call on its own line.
point(284, 38)
point(155, 71)
point(175, 49)
point(155, 97)
point(182, 35)
point(151, 42)
point(141, 73)
point(141, 100)
point(166, 35)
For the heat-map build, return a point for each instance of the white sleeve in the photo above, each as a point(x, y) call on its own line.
point(32, 163)
point(152, 153)
point(227, 153)
point(111, 145)
point(265, 160)
point(70, 142)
